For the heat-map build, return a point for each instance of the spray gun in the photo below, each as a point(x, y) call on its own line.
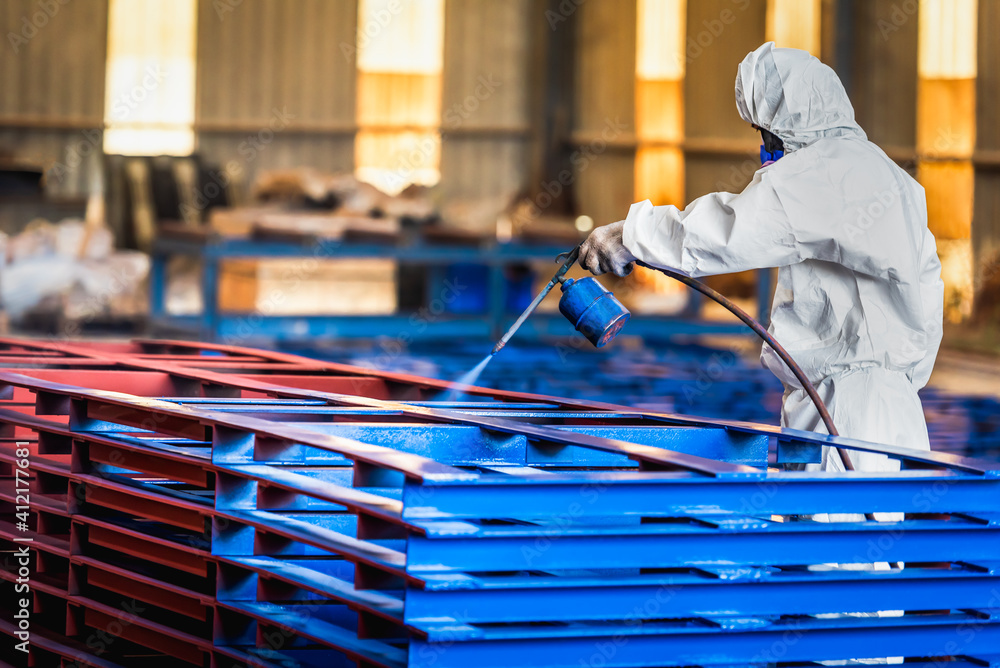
point(598, 315)
point(587, 304)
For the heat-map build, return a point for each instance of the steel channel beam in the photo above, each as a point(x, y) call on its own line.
point(288, 621)
point(174, 642)
point(164, 594)
point(782, 493)
point(752, 592)
point(942, 603)
point(697, 644)
point(186, 421)
point(678, 546)
point(305, 576)
point(582, 495)
point(301, 623)
point(125, 538)
point(114, 492)
point(230, 532)
point(916, 457)
point(912, 457)
point(78, 653)
point(118, 408)
point(152, 458)
point(180, 645)
point(103, 575)
point(468, 445)
point(59, 645)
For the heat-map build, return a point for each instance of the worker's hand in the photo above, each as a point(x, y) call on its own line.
point(604, 251)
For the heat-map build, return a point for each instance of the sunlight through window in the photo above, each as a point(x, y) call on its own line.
point(659, 122)
point(946, 129)
point(659, 104)
point(794, 24)
point(400, 56)
point(150, 80)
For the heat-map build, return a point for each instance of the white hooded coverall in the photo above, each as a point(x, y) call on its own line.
point(859, 297)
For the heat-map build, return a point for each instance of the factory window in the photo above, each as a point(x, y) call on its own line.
point(400, 57)
point(659, 103)
point(150, 80)
point(946, 121)
point(794, 24)
point(659, 126)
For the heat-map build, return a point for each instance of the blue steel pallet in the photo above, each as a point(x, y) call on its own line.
point(677, 377)
point(257, 509)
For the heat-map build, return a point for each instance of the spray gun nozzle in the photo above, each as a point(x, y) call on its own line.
point(567, 260)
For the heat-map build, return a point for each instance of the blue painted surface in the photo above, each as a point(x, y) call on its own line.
point(689, 643)
point(593, 310)
point(675, 377)
point(539, 534)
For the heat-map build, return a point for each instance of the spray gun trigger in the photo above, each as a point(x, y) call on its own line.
point(569, 256)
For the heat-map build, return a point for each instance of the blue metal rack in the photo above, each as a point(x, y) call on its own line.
point(275, 510)
point(215, 325)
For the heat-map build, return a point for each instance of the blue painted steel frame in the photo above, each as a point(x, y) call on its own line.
point(214, 325)
point(726, 591)
point(687, 643)
point(482, 535)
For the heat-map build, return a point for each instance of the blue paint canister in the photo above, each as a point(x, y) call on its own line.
point(593, 310)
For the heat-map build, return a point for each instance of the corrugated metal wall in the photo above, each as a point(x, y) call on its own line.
point(485, 105)
point(298, 56)
point(884, 75)
point(986, 213)
point(720, 148)
point(717, 143)
point(276, 84)
point(52, 71)
point(604, 137)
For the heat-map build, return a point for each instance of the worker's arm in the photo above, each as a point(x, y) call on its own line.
point(932, 297)
point(719, 233)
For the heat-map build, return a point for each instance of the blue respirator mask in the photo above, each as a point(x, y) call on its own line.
point(772, 149)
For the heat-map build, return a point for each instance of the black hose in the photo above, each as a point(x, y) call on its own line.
point(824, 414)
point(771, 341)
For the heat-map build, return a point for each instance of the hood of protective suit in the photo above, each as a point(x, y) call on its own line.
point(793, 95)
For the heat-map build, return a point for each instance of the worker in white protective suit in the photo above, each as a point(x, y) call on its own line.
point(859, 297)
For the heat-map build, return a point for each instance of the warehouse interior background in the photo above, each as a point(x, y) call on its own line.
point(254, 252)
point(136, 136)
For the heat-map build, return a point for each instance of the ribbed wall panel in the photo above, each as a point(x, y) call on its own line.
point(605, 109)
point(53, 87)
point(986, 212)
point(884, 76)
point(720, 151)
point(485, 101)
point(271, 57)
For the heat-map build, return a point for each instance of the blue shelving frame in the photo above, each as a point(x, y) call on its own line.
point(215, 325)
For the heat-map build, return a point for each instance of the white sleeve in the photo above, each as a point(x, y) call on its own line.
point(932, 296)
point(719, 233)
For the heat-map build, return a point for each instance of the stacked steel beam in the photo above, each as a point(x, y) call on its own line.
point(219, 506)
point(677, 378)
